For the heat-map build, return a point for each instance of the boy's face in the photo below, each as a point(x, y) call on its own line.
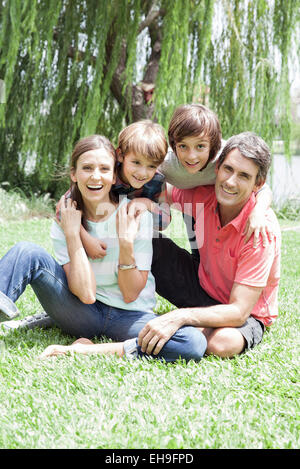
point(193, 152)
point(136, 170)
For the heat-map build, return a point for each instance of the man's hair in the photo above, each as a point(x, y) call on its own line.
point(250, 146)
point(191, 120)
point(144, 138)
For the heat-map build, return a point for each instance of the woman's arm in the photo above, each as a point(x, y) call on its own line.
point(80, 276)
point(131, 280)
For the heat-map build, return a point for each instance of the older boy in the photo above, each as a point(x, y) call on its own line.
point(195, 141)
point(232, 293)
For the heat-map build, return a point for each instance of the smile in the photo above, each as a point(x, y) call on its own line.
point(140, 180)
point(192, 165)
point(94, 187)
point(229, 191)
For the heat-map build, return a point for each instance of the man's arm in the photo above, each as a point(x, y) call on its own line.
point(159, 330)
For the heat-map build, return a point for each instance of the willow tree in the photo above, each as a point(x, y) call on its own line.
point(72, 68)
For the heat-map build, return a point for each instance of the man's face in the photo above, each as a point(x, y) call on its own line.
point(235, 182)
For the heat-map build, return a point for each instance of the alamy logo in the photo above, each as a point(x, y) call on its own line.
point(175, 230)
point(2, 92)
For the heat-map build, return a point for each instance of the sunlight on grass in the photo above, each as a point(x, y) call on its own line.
point(250, 401)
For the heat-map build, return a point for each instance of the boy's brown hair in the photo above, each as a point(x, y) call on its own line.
point(195, 119)
point(145, 138)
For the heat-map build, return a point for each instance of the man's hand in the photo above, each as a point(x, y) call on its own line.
point(156, 333)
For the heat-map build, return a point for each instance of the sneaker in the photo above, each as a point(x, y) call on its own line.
point(8, 309)
point(30, 322)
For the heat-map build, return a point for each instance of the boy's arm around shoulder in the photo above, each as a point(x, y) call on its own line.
point(256, 223)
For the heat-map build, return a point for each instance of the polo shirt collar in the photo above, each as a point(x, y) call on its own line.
point(239, 221)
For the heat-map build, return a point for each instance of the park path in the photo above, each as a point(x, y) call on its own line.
point(290, 228)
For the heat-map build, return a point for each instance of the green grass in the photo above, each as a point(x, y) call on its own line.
point(14, 205)
point(250, 401)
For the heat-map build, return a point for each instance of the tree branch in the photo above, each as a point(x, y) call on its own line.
point(154, 12)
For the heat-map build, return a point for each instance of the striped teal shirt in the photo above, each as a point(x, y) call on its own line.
point(106, 269)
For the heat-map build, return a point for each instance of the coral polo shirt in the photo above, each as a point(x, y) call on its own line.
point(224, 256)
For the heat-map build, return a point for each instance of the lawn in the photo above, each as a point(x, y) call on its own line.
point(251, 401)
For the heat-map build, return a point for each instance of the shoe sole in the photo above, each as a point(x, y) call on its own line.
point(41, 321)
point(8, 309)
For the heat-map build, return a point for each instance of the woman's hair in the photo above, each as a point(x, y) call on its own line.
point(191, 120)
point(92, 142)
point(145, 138)
point(250, 146)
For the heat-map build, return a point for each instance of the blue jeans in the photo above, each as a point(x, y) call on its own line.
point(26, 263)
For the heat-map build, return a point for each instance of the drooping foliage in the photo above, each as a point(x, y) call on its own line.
point(71, 68)
point(248, 67)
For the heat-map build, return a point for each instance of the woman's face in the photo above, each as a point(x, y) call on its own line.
point(94, 174)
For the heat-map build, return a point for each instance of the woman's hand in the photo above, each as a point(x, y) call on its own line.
point(54, 351)
point(70, 217)
point(128, 223)
point(139, 205)
point(131, 281)
point(79, 272)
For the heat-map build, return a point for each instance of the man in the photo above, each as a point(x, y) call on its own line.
point(231, 295)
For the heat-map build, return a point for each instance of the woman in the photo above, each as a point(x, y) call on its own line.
point(113, 296)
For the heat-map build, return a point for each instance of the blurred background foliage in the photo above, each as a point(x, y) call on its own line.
point(72, 68)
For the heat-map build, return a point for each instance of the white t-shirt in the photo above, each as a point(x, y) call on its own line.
point(106, 269)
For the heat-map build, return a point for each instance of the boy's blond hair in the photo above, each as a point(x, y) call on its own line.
point(145, 138)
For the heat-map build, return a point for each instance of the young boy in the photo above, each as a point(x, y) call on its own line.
point(195, 140)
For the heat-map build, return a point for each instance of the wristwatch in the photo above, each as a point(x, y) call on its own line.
point(126, 266)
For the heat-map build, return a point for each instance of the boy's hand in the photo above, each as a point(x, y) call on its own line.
point(256, 224)
point(95, 248)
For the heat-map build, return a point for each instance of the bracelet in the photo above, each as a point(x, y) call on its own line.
point(126, 266)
